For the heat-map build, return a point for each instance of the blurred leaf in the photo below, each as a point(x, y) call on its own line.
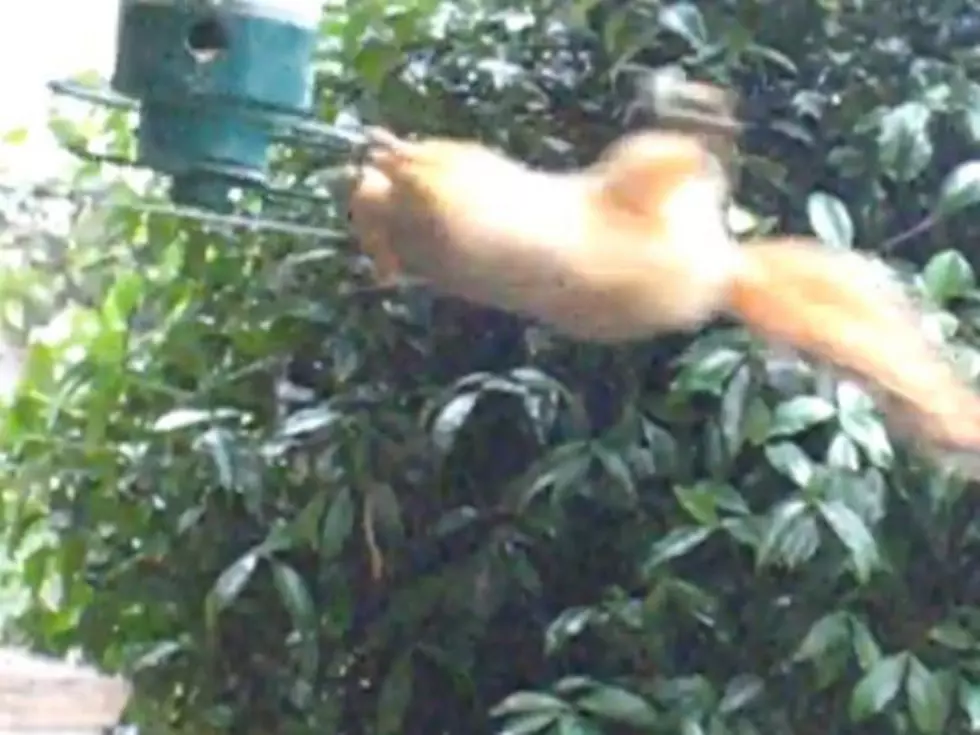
point(678, 542)
point(686, 21)
point(619, 705)
point(929, 704)
point(308, 420)
point(528, 724)
point(528, 702)
point(830, 220)
point(948, 275)
point(799, 414)
point(904, 145)
point(868, 432)
point(953, 636)
point(969, 696)
point(829, 632)
point(229, 585)
point(866, 649)
point(569, 624)
point(960, 189)
point(297, 600)
point(791, 461)
point(854, 534)
point(395, 696)
point(338, 524)
point(792, 536)
point(878, 687)
point(185, 418)
point(709, 373)
point(740, 692)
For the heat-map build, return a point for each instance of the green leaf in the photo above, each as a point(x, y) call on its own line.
point(740, 692)
point(529, 724)
point(297, 599)
point(960, 189)
point(528, 702)
point(868, 432)
point(929, 703)
point(953, 636)
point(830, 220)
point(733, 405)
point(710, 373)
point(569, 624)
point(395, 696)
point(686, 21)
point(792, 535)
point(791, 461)
point(699, 502)
point(969, 696)
point(866, 648)
point(229, 585)
point(338, 524)
point(843, 452)
point(831, 632)
point(799, 414)
point(904, 146)
point(184, 418)
point(619, 705)
point(878, 687)
point(854, 534)
point(571, 724)
point(309, 420)
point(948, 275)
point(676, 543)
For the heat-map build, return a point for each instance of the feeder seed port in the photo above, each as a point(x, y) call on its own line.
point(207, 38)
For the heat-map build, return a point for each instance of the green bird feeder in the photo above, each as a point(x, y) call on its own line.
point(215, 85)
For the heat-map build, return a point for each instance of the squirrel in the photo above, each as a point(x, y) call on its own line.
point(636, 245)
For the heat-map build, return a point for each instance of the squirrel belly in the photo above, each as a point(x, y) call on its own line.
point(849, 311)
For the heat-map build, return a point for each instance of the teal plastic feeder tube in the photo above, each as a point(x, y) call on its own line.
point(216, 83)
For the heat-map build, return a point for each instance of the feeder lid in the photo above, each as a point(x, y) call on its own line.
point(304, 13)
point(46, 696)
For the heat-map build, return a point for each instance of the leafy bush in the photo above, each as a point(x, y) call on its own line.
point(223, 437)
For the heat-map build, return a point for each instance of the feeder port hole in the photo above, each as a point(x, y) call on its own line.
point(207, 37)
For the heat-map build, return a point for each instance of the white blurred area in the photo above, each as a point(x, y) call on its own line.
point(42, 40)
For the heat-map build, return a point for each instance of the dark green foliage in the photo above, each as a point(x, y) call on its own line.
point(686, 536)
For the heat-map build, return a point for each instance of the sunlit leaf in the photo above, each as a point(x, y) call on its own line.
point(948, 275)
point(789, 460)
point(854, 534)
point(878, 687)
point(829, 632)
point(686, 21)
point(528, 702)
point(960, 189)
point(830, 219)
point(618, 705)
point(741, 692)
point(929, 702)
point(229, 585)
point(904, 145)
point(799, 414)
point(677, 542)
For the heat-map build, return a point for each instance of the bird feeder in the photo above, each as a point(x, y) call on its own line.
point(215, 83)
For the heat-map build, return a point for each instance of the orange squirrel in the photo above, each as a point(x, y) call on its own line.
point(637, 244)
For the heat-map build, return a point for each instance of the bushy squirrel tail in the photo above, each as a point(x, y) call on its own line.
point(849, 310)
